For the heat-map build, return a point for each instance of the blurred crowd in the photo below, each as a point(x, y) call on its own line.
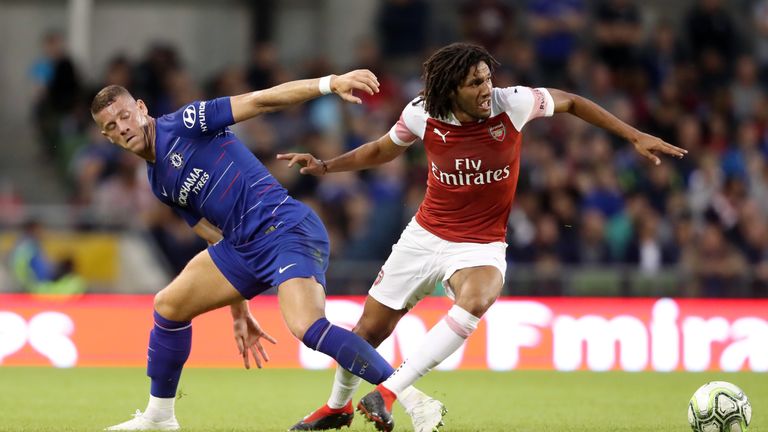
point(585, 198)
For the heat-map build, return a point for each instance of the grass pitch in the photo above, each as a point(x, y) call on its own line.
point(85, 399)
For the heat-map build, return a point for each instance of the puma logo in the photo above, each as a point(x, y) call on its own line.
point(442, 135)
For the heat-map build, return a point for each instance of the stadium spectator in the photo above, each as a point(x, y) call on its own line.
point(649, 251)
point(710, 29)
point(471, 132)
point(760, 35)
point(663, 54)
point(38, 273)
point(60, 91)
point(487, 22)
point(556, 27)
point(260, 238)
point(715, 265)
point(682, 95)
point(263, 66)
point(119, 72)
point(704, 184)
point(151, 77)
point(753, 240)
point(618, 33)
point(594, 250)
point(402, 28)
point(746, 147)
point(746, 91)
point(123, 196)
point(11, 204)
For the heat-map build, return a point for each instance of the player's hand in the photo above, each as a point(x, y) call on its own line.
point(309, 164)
point(649, 146)
point(361, 79)
point(248, 335)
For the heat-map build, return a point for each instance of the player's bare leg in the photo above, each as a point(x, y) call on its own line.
point(302, 302)
point(476, 289)
point(377, 405)
point(200, 287)
point(375, 325)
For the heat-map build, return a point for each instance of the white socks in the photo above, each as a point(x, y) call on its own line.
point(440, 342)
point(344, 386)
point(159, 409)
point(409, 397)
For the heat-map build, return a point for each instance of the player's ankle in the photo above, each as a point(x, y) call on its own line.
point(157, 415)
point(159, 409)
point(333, 410)
point(409, 397)
point(389, 396)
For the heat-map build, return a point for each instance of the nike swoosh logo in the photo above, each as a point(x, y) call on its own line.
point(282, 269)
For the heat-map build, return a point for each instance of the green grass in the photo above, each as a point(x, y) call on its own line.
point(84, 399)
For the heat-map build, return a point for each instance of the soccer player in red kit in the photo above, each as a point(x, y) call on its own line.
point(472, 135)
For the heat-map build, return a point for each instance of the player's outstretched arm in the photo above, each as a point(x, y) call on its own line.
point(282, 96)
point(645, 144)
point(368, 155)
point(248, 335)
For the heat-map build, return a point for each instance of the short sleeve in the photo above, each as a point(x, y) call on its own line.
point(524, 104)
point(202, 118)
point(410, 125)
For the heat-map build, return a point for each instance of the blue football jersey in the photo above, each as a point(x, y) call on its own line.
point(202, 170)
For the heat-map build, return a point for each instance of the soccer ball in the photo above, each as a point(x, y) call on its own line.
point(719, 406)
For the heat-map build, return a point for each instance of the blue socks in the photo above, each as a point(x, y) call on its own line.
point(169, 345)
point(349, 350)
point(171, 341)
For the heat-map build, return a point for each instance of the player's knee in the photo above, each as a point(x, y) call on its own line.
point(299, 326)
point(166, 307)
point(297, 330)
point(478, 305)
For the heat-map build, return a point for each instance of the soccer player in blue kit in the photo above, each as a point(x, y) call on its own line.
point(259, 236)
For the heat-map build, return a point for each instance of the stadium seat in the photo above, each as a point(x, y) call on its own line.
point(594, 283)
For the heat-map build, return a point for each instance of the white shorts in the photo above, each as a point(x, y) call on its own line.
point(420, 259)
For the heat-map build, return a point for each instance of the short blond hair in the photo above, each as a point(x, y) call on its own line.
point(106, 97)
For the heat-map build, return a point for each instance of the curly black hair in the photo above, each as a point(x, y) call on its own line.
point(445, 70)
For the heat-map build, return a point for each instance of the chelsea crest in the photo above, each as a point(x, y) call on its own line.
point(177, 160)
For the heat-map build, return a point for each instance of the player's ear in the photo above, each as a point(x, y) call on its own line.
point(142, 106)
point(105, 134)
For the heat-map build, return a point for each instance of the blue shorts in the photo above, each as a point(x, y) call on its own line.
point(298, 252)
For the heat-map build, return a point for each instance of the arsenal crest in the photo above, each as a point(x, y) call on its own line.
point(177, 159)
point(498, 132)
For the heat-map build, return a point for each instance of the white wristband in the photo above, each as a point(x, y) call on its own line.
point(325, 85)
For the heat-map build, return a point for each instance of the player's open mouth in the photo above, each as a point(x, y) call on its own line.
point(485, 105)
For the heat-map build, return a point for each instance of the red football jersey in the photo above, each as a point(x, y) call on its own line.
point(473, 167)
